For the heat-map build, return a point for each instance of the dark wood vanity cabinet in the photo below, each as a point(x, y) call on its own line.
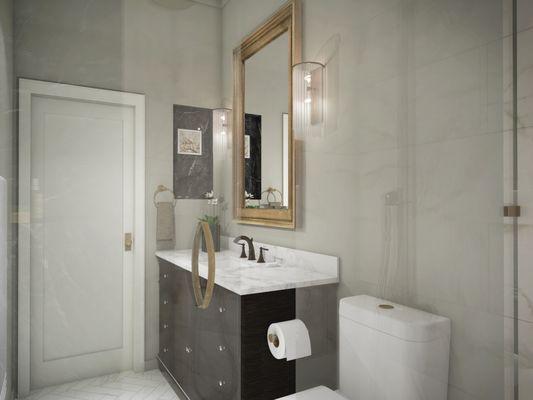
point(221, 353)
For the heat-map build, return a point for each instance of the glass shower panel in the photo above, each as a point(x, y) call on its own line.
point(521, 156)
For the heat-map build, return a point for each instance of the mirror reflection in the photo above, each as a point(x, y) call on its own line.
point(266, 130)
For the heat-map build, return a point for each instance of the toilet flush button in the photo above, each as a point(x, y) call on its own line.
point(386, 306)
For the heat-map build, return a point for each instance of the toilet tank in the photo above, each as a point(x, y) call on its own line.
point(388, 351)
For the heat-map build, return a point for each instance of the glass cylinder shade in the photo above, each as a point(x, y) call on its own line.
point(221, 129)
point(308, 99)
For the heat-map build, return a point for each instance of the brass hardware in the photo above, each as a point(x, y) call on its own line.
point(274, 339)
point(203, 300)
point(128, 241)
point(512, 211)
point(161, 189)
point(386, 306)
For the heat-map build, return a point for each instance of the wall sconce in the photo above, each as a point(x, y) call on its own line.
point(221, 129)
point(308, 99)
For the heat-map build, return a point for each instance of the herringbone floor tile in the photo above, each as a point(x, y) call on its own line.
point(149, 385)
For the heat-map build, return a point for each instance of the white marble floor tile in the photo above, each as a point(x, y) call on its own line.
point(122, 386)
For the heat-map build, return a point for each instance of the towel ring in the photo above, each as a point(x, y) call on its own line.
point(271, 192)
point(161, 189)
point(203, 300)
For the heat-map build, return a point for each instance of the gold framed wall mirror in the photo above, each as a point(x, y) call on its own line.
point(263, 151)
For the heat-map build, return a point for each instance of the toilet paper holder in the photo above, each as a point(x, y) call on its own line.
point(274, 339)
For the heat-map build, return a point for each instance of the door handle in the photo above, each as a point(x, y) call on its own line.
point(128, 241)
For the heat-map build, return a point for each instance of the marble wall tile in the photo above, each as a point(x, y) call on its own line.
point(525, 172)
point(135, 46)
point(419, 111)
point(525, 14)
point(525, 272)
point(447, 268)
point(525, 80)
point(49, 37)
point(525, 350)
point(476, 350)
point(444, 28)
point(169, 71)
point(451, 97)
point(454, 176)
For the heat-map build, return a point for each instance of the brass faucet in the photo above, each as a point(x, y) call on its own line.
point(250, 241)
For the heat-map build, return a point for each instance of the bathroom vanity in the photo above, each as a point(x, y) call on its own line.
point(221, 352)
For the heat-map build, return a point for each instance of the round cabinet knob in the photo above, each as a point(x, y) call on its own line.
point(221, 383)
point(165, 350)
point(221, 309)
point(165, 326)
point(188, 350)
point(165, 276)
point(221, 347)
point(165, 302)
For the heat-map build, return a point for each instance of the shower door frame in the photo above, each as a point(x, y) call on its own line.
point(27, 89)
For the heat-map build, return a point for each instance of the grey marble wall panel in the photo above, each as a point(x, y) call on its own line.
point(317, 307)
point(193, 173)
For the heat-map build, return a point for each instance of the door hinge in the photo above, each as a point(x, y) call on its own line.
point(128, 241)
point(512, 211)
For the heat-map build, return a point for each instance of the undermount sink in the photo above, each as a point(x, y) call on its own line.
point(226, 258)
point(255, 264)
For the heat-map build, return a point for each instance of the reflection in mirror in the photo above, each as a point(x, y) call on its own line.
point(266, 97)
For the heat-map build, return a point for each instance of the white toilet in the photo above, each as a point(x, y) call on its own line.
point(388, 351)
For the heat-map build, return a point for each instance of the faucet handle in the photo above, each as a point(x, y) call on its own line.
point(243, 250)
point(261, 259)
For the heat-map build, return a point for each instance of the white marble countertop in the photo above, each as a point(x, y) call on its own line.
point(284, 269)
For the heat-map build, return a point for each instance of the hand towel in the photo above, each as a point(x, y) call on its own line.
point(165, 221)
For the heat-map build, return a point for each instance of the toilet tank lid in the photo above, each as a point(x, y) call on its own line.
point(394, 319)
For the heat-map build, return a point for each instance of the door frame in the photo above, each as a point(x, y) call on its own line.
point(27, 89)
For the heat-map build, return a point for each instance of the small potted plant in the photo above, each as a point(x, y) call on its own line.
point(211, 217)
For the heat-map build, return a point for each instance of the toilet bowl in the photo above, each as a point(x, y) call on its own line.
point(388, 351)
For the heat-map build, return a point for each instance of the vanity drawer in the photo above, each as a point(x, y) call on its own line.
point(165, 307)
point(203, 386)
point(165, 277)
point(166, 350)
point(222, 315)
point(215, 372)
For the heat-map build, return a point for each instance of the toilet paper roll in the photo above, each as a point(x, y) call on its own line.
point(289, 339)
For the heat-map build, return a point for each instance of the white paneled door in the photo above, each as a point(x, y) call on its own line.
point(80, 207)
